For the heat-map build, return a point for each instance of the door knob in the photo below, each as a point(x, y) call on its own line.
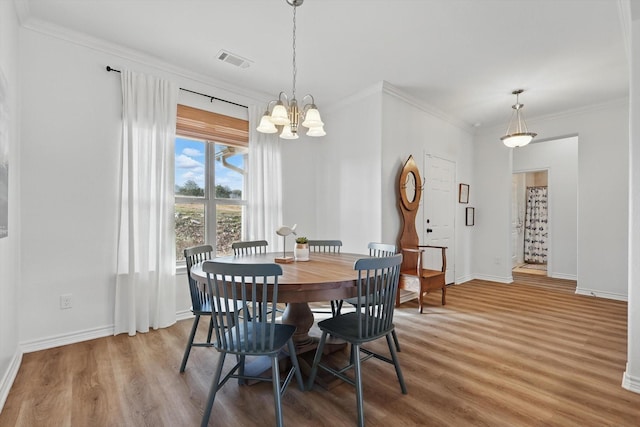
point(429, 230)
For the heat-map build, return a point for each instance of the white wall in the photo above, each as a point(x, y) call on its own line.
point(602, 197)
point(348, 173)
point(371, 135)
point(69, 182)
point(560, 158)
point(10, 354)
point(411, 129)
point(492, 234)
point(631, 378)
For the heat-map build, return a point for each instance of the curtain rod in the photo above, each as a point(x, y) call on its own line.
point(211, 98)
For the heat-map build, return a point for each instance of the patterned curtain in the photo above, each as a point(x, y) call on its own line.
point(536, 230)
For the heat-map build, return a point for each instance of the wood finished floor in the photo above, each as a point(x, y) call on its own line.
point(531, 353)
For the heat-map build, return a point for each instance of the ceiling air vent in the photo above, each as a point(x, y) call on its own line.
point(233, 59)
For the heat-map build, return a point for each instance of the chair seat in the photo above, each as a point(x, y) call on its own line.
point(345, 326)
point(253, 342)
point(225, 307)
point(425, 273)
point(354, 301)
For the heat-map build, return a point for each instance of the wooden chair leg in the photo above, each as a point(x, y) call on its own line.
point(420, 302)
point(444, 295)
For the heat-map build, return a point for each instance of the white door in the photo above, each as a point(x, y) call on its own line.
point(438, 207)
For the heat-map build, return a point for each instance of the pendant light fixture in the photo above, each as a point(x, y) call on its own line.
point(520, 136)
point(285, 112)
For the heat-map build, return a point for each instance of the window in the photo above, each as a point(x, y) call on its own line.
point(210, 179)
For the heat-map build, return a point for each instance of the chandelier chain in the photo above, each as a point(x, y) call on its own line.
point(295, 69)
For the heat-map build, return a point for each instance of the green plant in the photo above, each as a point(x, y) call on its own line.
point(302, 240)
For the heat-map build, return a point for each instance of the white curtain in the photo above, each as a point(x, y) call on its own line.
point(264, 205)
point(145, 281)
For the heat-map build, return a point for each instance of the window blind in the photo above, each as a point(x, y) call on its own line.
point(205, 125)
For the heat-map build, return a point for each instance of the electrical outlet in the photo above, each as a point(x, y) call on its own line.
point(65, 301)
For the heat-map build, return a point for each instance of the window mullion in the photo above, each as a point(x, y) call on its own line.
point(210, 195)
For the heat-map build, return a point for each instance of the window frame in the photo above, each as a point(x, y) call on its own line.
point(211, 129)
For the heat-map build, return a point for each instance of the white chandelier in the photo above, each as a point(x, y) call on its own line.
point(520, 135)
point(286, 112)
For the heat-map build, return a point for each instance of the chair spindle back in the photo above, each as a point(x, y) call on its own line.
point(332, 246)
point(195, 255)
point(253, 328)
point(249, 247)
point(377, 287)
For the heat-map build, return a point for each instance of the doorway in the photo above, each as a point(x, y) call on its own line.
point(558, 158)
point(530, 222)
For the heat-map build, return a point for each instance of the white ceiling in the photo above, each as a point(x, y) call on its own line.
point(462, 57)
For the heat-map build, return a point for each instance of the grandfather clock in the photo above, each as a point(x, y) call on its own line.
point(413, 277)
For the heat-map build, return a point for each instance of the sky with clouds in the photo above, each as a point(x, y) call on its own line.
point(190, 165)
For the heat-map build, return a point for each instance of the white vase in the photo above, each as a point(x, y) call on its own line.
point(301, 252)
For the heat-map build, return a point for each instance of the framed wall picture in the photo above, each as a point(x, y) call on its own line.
point(470, 218)
point(463, 193)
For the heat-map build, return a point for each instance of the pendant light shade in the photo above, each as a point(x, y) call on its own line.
point(266, 125)
point(317, 131)
point(312, 118)
point(280, 115)
point(287, 133)
point(517, 133)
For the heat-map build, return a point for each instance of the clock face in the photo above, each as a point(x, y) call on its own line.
point(410, 187)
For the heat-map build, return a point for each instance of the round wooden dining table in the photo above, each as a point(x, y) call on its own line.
point(325, 277)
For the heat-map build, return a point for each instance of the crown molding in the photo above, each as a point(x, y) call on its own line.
point(237, 94)
point(384, 87)
point(429, 109)
point(22, 10)
point(615, 103)
point(618, 102)
point(374, 89)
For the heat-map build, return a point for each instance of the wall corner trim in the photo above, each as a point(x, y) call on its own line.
point(9, 377)
point(630, 382)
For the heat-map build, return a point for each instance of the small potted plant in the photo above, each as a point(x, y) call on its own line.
point(301, 251)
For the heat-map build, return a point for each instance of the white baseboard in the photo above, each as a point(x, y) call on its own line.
point(79, 336)
point(600, 294)
point(9, 377)
point(463, 279)
point(184, 314)
point(564, 276)
point(505, 279)
point(65, 339)
point(631, 383)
